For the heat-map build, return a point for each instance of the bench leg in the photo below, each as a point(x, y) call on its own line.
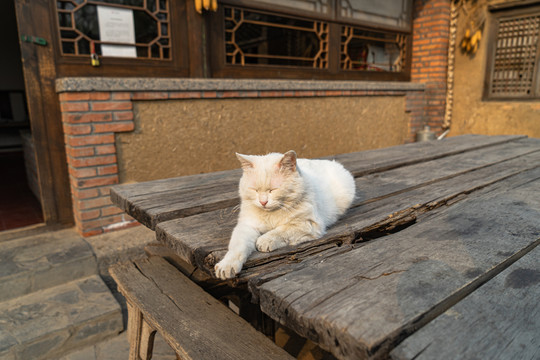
point(140, 334)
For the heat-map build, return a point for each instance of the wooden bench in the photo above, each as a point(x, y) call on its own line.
point(196, 325)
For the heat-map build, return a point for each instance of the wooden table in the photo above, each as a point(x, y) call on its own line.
point(437, 258)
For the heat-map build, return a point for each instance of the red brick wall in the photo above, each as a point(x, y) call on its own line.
point(431, 30)
point(91, 119)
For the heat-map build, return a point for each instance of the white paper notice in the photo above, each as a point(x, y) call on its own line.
point(116, 25)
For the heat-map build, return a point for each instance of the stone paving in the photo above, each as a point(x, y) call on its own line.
point(50, 322)
point(53, 300)
point(118, 349)
point(58, 301)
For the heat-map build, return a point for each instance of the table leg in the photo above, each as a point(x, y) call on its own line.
point(140, 334)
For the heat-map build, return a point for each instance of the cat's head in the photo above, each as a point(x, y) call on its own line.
point(270, 182)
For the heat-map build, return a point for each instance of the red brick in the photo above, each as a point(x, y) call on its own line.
point(304, 93)
point(81, 194)
point(150, 95)
point(112, 105)
point(81, 151)
point(111, 210)
point(86, 118)
point(123, 115)
point(89, 214)
point(108, 170)
point(125, 224)
point(74, 106)
point(93, 203)
point(87, 233)
point(90, 140)
point(122, 96)
point(100, 181)
point(83, 172)
point(93, 161)
point(358, 92)
point(74, 96)
point(421, 42)
point(268, 93)
point(333, 93)
point(210, 94)
point(231, 94)
point(445, 22)
point(114, 127)
point(105, 149)
point(252, 94)
point(185, 95)
point(77, 129)
point(100, 96)
point(103, 222)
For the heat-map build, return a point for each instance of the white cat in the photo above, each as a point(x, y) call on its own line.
point(284, 202)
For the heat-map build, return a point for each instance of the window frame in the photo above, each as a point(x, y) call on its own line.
point(509, 10)
point(334, 72)
point(177, 66)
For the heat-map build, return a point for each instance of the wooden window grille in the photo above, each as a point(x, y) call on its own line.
point(371, 50)
point(79, 27)
point(260, 38)
point(515, 57)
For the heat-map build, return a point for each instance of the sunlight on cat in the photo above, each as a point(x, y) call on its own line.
point(284, 201)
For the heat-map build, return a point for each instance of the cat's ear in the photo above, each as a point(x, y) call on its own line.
point(245, 161)
point(288, 162)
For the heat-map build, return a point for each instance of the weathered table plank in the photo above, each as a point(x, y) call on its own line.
point(156, 201)
point(196, 325)
point(500, 320)
point(202, 239)
point(362, 302)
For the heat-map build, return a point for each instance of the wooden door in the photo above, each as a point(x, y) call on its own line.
point(34, 20)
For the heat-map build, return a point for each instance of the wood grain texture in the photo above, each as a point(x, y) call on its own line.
point(400, 196)
point(156, 201)
point(193, 323)
point(432, 223)
point(34, 18)
point(361, 303)
point(500, 320)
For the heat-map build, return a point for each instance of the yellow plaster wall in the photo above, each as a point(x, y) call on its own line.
point(472, 114)
point(182, 137)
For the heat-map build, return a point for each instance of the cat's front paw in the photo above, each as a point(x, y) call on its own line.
point(228, 268)
point(267, 243)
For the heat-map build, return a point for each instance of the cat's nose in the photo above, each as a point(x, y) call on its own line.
point(263, 202)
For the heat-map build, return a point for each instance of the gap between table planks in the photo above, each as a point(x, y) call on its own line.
point(202, 239)
point(161, 200)
point(479, 325)
point(365, 301)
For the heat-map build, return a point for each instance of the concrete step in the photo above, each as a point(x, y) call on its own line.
point(43, 260)
point(53, 322)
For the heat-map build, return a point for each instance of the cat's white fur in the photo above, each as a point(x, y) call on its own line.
point(284, 201)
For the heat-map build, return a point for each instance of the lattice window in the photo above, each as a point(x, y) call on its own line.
point(371, 50)
point(260, 38)
point(514, 71)
point(79, 27)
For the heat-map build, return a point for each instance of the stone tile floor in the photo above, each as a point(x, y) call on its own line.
point(118, 349)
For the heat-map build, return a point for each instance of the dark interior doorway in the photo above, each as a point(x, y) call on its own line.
point(19, 188)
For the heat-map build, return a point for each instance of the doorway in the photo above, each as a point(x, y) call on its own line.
point(20, 205)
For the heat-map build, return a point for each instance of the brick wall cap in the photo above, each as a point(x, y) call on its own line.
point(81, 84)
